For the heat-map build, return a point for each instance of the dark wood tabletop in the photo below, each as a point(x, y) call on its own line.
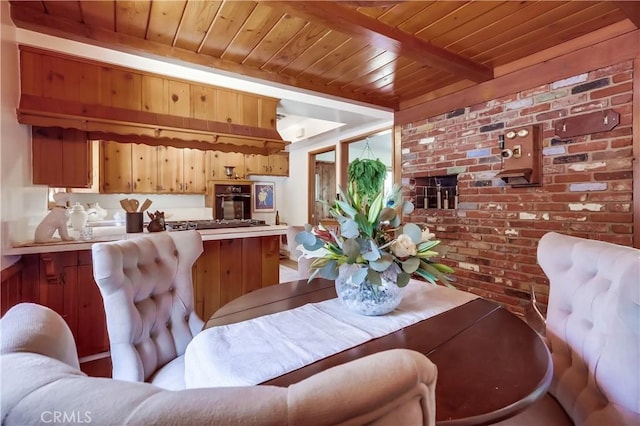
point(491, 365)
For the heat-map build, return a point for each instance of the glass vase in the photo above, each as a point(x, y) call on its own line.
point(367, 298)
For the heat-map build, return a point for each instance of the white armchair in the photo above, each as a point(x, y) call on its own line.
point(593, 333)
point(40, 379)
point(147, 289)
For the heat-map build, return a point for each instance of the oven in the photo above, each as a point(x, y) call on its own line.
point(231, 201)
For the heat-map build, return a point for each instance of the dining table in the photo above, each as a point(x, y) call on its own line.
point(491, 364)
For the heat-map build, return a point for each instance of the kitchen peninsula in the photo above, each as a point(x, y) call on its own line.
point(235, 261)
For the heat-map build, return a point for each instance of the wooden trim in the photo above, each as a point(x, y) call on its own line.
point(397, 153)
point(11, 271)
point(344, 154)
point(602, 54)
point(636, 150)
point(311, 188)
point(631, 9)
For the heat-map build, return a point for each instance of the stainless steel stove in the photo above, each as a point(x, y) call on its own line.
point(183, 225)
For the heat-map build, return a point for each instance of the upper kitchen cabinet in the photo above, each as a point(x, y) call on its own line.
point(218, 162)
point(267, 165)
point(61, 157)
point(127, 168)
point(111, 102)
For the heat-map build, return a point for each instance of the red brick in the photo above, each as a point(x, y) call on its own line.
point(623, 76)
point(611, 217)
point(535, 91)
point(569, 197)
point(621, 99)
point(615, 133)
point(551, 115)
point(588, 147)
point(536, 108)
point(572, 177)
point(622, 229)
point(611, 90)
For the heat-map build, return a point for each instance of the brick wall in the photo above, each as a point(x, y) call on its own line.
point(587, 181)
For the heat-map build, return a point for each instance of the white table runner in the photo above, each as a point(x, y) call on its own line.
point(260, 349)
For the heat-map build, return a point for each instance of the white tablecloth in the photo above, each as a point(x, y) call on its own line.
point(260, 349)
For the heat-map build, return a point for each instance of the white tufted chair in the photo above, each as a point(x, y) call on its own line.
point(593, 333)
point(148, 299)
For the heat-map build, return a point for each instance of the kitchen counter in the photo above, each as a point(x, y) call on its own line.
point(117, 233)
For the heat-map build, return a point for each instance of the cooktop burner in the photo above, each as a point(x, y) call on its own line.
point(213, 224)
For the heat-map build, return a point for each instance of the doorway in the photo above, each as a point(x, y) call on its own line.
point(322, 184)
point(377, 145)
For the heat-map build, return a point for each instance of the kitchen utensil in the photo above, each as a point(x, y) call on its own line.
point(126, 205)
point(145, 205)
point(134, 204)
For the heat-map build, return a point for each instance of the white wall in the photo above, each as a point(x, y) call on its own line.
point(21, 203)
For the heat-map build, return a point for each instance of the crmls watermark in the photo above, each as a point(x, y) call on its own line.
point(62, 417)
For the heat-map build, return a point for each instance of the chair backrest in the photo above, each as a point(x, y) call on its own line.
point(593, 327)
point(147, 288)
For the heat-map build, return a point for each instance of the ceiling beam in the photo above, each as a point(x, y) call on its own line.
point(348, 21)
point(72, 30)
point(631, 9)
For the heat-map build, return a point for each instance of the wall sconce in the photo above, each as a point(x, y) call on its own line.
point(521, 152)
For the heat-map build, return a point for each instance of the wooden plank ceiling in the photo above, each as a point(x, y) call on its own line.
point(384, 53)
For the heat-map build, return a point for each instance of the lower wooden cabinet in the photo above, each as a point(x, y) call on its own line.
point(64, 282)
point(230, 268)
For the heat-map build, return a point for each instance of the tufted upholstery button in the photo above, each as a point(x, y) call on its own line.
point(171, 289)
point(151, 296)
point(186, 318)
point(157, 260)
point(168, 324)
point(175, 253)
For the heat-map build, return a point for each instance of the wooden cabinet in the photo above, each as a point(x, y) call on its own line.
point(61, 157)
point(64, 282)
point(115, 167)
point(230, 268)
point(216, 162)
point(256, 164)
point(271, 165)
point(279, 164)
point(140, 168)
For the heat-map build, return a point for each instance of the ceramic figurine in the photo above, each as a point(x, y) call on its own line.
point(55, 220)
point(78, 217)
point(157, 222)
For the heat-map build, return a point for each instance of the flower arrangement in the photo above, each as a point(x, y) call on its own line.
point(372, 243)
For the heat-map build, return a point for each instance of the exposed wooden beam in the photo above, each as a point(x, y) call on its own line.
point(348, 21)
point(68, 29)
point(631, 9)
point(609, 52)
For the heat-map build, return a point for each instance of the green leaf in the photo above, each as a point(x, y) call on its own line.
point(443, 268)
point(349, 229)
point(403, 279)
point(376, 207)
point(427, 276)
point(330, 270)
point(407, 208)
point(372, 254)
point(374, 276)
point(351, 249)
point(412, 231)
point(411, 265)
point(382, 264)
point(345, 207)
point(363, 224)
point(359, 276)
point(427, 245)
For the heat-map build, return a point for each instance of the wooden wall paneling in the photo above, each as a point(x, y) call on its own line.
point(179, 98)
point(144, 166)
point(249, 105)
point(106, 77)
point(252, 264)
point(30, 73)
point(126, 89)
point(89, 84)
point(154, 94)
point(203, 102)
point(267, 113)
point(230, 274)
point(636, 147)
point(226, 110)
point(11, 287)
point(194, 171)
point(270, 260)
point(115, 167)
point(52, 75)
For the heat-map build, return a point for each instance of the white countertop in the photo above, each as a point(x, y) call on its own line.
point(117, 233)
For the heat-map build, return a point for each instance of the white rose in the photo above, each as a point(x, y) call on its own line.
point(427, 235)
point(403, 247)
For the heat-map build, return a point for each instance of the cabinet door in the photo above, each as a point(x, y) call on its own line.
point(256, 164)
point(144, 168)
point(194, 173)
point(58, 284)
point(91, 336)
point(279, 164)
point(61, 157)
point(250, 107)
point(170, 170)
point(215, 165)
point(235, 159)
point(115, 167)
